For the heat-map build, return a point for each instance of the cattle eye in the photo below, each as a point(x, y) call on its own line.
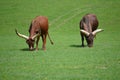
point(36, 32)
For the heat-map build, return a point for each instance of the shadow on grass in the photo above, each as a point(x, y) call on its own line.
point(78, 46)
point(25, 49)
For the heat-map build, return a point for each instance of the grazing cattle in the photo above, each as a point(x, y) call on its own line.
point(88, 28)
point(38, 27)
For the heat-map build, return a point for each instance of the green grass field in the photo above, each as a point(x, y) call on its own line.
point(65, 60)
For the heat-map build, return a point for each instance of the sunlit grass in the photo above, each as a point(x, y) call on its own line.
point(65, 60)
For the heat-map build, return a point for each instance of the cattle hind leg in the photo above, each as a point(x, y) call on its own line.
point(44, 42)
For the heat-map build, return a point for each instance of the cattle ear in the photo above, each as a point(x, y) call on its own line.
point(85, 32)
point(97, 31)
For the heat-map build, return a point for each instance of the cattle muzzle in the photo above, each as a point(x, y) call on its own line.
point(31, 48)
point(90, 45)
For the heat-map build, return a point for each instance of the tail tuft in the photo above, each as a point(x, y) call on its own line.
point(52, 43)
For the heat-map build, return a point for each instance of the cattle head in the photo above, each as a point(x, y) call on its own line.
point(29, 41)
point(90, 36)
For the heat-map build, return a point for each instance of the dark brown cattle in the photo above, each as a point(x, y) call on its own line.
point(88, 28)
point(38, 27)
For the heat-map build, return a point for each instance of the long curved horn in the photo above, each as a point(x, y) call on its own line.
point(21, 35)
point(85, 32)
point(97, 31)
point(35, 36)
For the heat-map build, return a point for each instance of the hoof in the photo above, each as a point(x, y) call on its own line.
point(82, 45)
point(44, 49)
point(36, 49)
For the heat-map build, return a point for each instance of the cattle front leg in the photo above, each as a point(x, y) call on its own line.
point(37, 42)
point(82, 39)
point(44, 42)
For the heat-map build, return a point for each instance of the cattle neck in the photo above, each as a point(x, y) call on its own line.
point(87, 26)
point(31, 34)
